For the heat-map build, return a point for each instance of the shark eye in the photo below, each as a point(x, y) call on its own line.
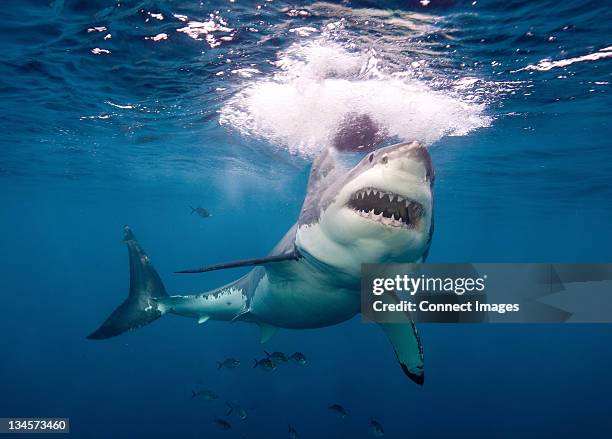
point(371, 157)
point(384, 159)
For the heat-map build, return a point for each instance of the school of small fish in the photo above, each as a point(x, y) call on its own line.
point(270, 363)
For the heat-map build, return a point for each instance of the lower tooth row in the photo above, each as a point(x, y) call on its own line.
point(371, 214)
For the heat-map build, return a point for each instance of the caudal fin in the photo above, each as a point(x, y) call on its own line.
point(140, 308)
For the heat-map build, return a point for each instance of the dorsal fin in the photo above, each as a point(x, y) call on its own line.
point(321, 167)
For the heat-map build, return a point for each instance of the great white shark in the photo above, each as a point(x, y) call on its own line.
point(380, 211)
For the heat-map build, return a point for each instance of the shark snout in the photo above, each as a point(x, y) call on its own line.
point(406, 154)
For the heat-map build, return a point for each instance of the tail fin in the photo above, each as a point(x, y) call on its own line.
point(192, 209)
point(220, 365)
point(256, 363)
point(267, 354)
point(140, 308)
point(231, 409)
point(193, 394)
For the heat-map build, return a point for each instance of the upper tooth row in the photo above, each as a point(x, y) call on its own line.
point(381, 195)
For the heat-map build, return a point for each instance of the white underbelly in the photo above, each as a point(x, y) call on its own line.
point(302, 304)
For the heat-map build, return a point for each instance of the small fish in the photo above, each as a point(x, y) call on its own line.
point(222, 423)
point(277, 357)
point(376, 428)
point(200, 211)
point(298, 357)
point(265, 364)
point(338, 410)
point(208, 395)
point(240, 411)
point(147, 138)
point(228, 363)
point(293, 434)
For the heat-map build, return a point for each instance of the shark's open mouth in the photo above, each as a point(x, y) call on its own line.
point(386, 207)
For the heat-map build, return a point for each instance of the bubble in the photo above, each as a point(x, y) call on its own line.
point(320, 85)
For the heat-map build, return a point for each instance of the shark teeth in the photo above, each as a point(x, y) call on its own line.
point(386, 207)
point(394, 222)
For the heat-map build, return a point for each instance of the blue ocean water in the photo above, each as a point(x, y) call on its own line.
point(118, 113)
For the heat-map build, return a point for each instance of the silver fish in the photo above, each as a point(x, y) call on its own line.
point(222, 423)
point(265, 364)
point(208, 395)
point(277, 357)
point(228, 363)
point(293, 434)
point(376, 428)
point(238, 409)
point(338, 410)
point(200, 211)
point(298, 357)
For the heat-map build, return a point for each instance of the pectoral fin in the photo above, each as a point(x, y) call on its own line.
point(407, 345)
point(291, 256)
point(203, 319)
